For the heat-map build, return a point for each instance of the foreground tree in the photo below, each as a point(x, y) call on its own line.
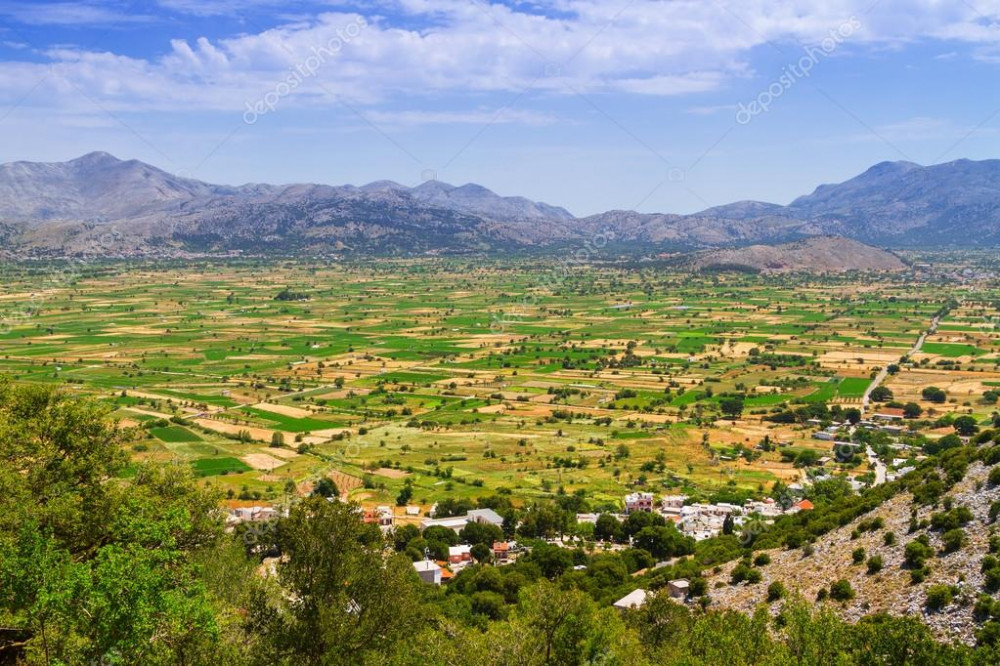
point(93, 568)
point(344, 593)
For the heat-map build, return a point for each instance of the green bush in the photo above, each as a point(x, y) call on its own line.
point(775, 591)
point(990, 634)
point(994, 478)
point(953, 540)
point(938, 597)
point(984, 607)
point(949, 520)
point(917, 552)
point(841, 590)
point(992, 580)
point(739, 574)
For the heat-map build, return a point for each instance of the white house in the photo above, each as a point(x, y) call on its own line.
point(251, 514)
point(460, 553)
point(679, 588)
point(672, 503)
point(455, 523)
point(384, 516)
point(484, 516)
point(428, 571)
point(634, 599)
point(639, 502)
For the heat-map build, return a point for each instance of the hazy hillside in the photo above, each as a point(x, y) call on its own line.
point(902, 203)
point(896, 204)
point(98, 204)
point(814, 255)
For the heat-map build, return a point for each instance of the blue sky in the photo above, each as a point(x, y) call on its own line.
point(654, 105)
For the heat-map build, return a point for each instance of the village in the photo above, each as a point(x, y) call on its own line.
point(697, 520)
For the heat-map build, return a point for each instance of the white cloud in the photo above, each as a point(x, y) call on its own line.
point(647, 47)
point(914, 129)
point(711, 110)
point(217, 7)
point(918, 129)
point(479, 117)
point(68, 13)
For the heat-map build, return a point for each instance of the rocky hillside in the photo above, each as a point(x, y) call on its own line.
point(822, 254)
point(891, 588)
point(98, 204)
point(901, 203)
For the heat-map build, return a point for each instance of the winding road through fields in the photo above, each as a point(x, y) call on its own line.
point(873, 459)
point(884, 372)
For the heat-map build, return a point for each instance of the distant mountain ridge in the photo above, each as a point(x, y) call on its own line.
point(98, 204)
point(895, 204)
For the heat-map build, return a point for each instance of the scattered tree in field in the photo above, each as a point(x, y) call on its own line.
point(934, 394)
point(325, 487)
point(881, 394)
point(732, 407)
point(405, 495)
point(966, 426)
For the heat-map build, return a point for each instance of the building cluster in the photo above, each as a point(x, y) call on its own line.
point(430, 571)
point(700, 520)
point(252, 514)
point(460, 556)
point(457, 523)
point(438, 572)
point(888, 420)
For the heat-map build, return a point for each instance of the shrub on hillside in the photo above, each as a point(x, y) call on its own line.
point(938, 597)
point(841, 590)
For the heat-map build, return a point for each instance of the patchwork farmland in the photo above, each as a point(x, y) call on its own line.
point(459, 379)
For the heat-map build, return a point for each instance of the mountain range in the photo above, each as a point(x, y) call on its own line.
point(100, 205)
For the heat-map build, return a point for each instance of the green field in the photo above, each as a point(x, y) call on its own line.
point(291, 424)
point(467, 378)
point(951, 350)
point(219, 466)
point(175, 434)
point(853, 387)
